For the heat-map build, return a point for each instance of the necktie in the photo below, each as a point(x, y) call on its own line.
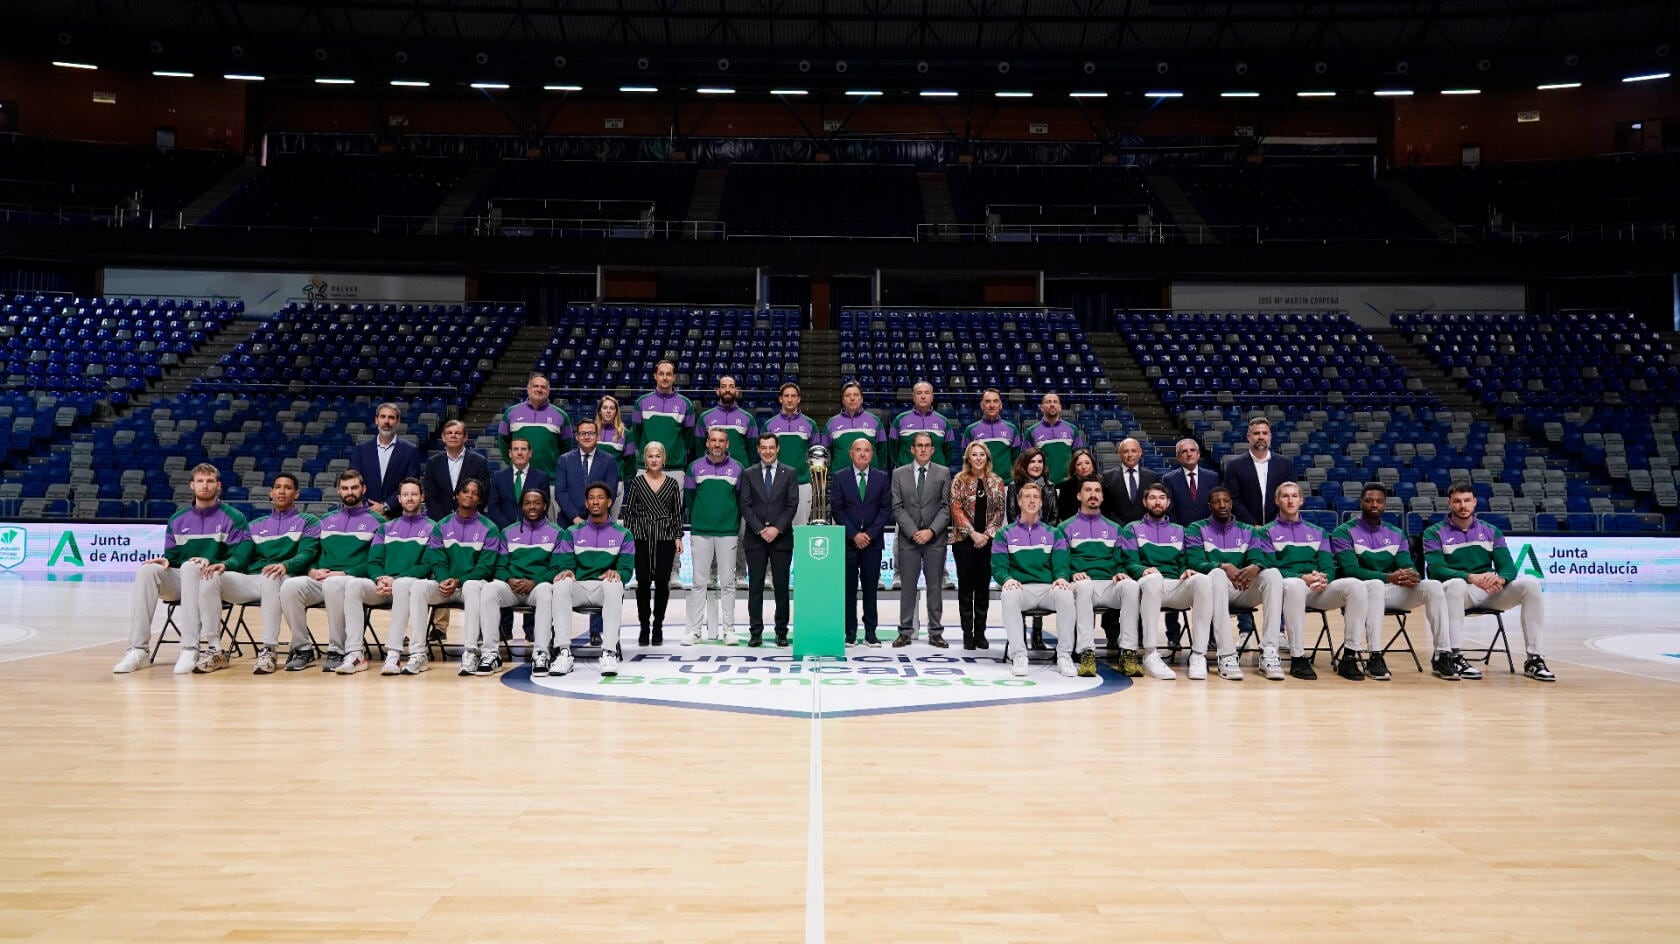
point(519, 482)
point(586, 459)
point(863, 484)
point(1192, 485)
point(921, 480)
point(767, 473)
point(1131, 483)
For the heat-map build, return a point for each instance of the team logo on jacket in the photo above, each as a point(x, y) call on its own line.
point(771, 681)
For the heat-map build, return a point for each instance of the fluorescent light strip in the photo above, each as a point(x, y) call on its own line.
point(715, 91)
point(1461, 91)
point(1392, 93)
point(75, 65)
point(938, 93)
point(335, 81)
point(490, 85)
point(410, 83)
point(166, 74)
point(1239, 94)
point(242, 77)
point(1087, 95)
point(1648, 77)
point(562, 88)
point(1163, 94)
point(789, 92)
point(1558, 85)
point(1315, 94)
point(636, 89)
point(1012, 94)
point(862, 92)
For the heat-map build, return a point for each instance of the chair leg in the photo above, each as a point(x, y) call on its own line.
point(1401, 633)
point(1324, 642)
point(163, 634)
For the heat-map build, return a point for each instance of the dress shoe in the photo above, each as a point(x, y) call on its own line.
point(755, 638)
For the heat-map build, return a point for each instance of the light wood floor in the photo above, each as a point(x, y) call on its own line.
point(310, 807)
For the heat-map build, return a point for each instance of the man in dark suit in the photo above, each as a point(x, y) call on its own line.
point(448, 469)
point(769, 497)
point(860, 499)
point(1123, 490)
point(1254, 476)
point(921, 507)
point(384, 461)
point(1188, 486)
point(509, 484)
point(577, 469)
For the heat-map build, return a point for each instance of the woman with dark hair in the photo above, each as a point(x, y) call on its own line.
point(1082, 467)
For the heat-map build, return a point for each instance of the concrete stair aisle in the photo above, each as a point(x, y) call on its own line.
point(706, 204)
point(506, 382)
point(195, 212)
point(1183, 213)
point(198, 364)
point(449, 213)
point(937, 208)
point(819, 373)
point(1421, 210)
point(1126, 378)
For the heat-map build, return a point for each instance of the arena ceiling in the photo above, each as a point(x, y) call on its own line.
point(835, 43)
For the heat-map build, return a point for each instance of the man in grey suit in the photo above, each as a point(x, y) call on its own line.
point(769, 497)
point(921, 505)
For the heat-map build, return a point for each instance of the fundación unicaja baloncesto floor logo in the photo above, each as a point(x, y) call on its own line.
point(770, 681)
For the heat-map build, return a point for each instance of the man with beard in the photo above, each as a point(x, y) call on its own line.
point(1378, 555)
point(1164, 577)
point(346, 538)
point(666, 417)
point(1235, 558)
point(737, 424)
point(1099, 573)
point(1475, 568)
point(714, 523)
point(396, 565)
point(1055, 438)
point(525, 572)
point(384, 461)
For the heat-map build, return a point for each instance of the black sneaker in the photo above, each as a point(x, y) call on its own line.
point(1535, 668)
point(1466, 671)
point(1377, 668)
point(488, 664)
point(332, 661)
point(301, 659)
point(1445, 666)
point(1302, 668)
point(1347, 666)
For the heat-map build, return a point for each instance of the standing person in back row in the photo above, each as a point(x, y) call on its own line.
point(1253, 478)
point(446, 470)
point(536, 420)
point(665, 417)
point(921, 505)
point(1000, 437)
point(795, 434)
point(384, 461)
point(921, 418)
point(1057, 439)
point(853, 423)
point(727, 415)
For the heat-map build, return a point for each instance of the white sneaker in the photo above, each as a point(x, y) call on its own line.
point(353, 662)
point(393, 663)
point(1270, 664)
point(1229, 669)
point(1196, 669)
point(562, 664)
point(1018, 663)
point(1065, 666)
point(132, 659)
point(729, 637)
point(1157, 669)
point(690, 638)
point(469, 662)
point(186, 662)
point(609, 662)
point(415, 665)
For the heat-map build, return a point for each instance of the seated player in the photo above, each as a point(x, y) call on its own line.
point(397, 565)
point(1475, 568)
point(596, 559)
point(202, 539)
point(284, 543)
point(1099, 575)
point(525, 577)
point(462, 554)
point(1237, 562)
point(1030, 564)
point(1155, 547)
point(1376, 553)
point(346, 539)
point(1300, 551)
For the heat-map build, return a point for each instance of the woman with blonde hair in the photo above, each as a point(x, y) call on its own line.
point(977, 512)
point(615, 441)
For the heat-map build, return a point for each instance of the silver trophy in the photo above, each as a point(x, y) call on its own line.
point(817, 457)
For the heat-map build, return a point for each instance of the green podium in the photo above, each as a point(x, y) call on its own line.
point(819, 608)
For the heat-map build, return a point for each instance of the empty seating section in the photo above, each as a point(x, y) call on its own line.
point(1305, 358)
point(65, 344)
point(74, 174)
point(441, 351)
point(338, 193)
point(822, 200)
point(1626, 188)
point(588, 190)
point(1331, 202)
point(613, 348)
point(1049, 194)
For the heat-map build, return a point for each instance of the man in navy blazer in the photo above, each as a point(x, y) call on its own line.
point(577, 469)
point(448, 469)
point(1189, 505)
point(768, 514)
point(1254, 476)
point(401, 461)
point(503, 507)
point(864, 513)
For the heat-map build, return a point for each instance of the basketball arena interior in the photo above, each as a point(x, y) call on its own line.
point(1423, 260)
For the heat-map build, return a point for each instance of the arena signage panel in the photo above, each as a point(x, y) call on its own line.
point(267, 291)
point(1375, 300)
point(52, 551)
point(1598, 563)
point(774, 682)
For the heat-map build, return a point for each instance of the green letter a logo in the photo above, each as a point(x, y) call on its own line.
point(1529, 563)
point(67, 550)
